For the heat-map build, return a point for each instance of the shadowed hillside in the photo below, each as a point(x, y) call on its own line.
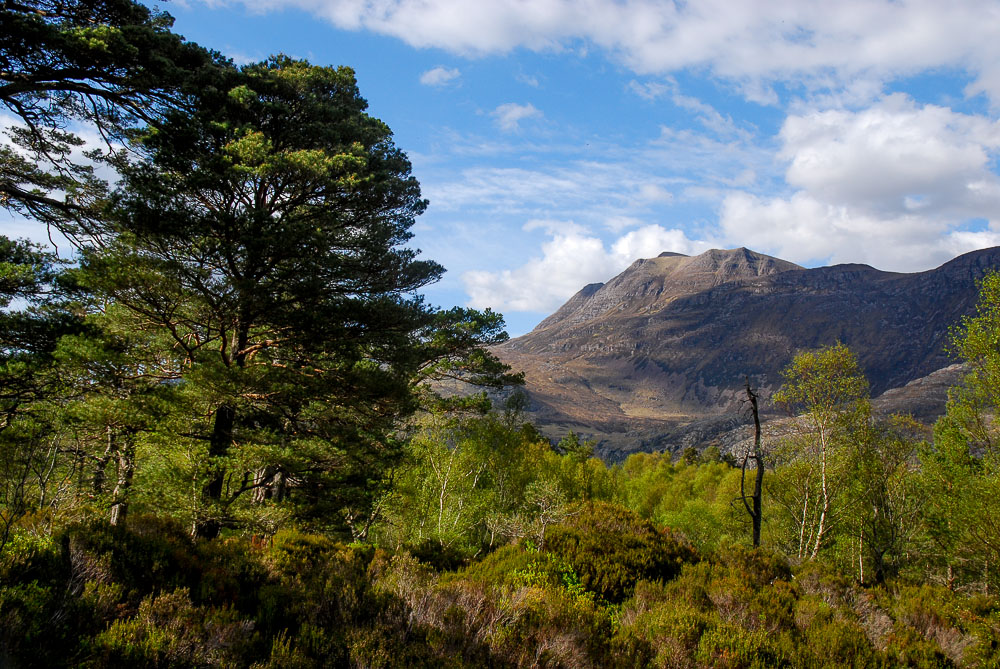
point(669, 340)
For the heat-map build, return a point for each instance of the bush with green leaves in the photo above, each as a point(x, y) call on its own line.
point(169, 630)
point(611, 548)
point(690, 496)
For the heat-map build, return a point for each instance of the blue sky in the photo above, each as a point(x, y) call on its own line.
point(560, 140)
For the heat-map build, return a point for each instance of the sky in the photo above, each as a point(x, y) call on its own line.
point(558, 141)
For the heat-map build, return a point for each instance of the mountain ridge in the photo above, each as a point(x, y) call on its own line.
point(689, 274)
point(668, 341)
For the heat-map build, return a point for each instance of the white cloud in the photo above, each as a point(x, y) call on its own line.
point(651, 192)
point(602, 194)
point(439, 76)
point(528, 80)
point(509, 115)
point(803, 229)
point(241, 57)
point(570, 259)
point(893, 185)
point(617, 223)
point(752, 42)
point(707, 115)
point(883, 156)
point(650, 90)
point(652, 240)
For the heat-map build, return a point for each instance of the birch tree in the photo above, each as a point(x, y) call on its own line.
point(827, 389)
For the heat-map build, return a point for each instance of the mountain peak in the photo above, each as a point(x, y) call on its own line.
point(650, 284)
point(738, 263)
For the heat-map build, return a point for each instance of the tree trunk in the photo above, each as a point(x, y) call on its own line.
point(826, 495)
point(263, 481)
point(218, 447)
point(758, 457)
point(123, 488)
point(802, 523)
point(101, 463)
point(280, 486)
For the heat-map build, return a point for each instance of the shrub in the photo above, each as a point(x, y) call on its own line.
point(170, 631)
point(611, 548)
point(26, 632)
point(935, 614)
point(734, 646)
point(149, 555)
point(829, 639)
point(672, 630)
point(438, 556)
point(822, 580)
point(28, 557)
point(759, 567)
point(230, 574)
point(907, 648)
point(499, 567)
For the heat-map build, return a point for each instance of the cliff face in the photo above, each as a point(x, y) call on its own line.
point(670, 340)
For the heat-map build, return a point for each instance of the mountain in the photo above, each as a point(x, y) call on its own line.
point(658, 355)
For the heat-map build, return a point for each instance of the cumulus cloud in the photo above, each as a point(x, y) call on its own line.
point(880, 157)
point(509, 115)
point(750, 42)
point(804, 229)
point(439, 76)
point(617, 222)
point(894, 185)
point(571, 258)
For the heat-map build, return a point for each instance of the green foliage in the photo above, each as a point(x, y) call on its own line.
point(977, 341)
point(953, 520)
point(734, 646)
point(502, 565)
point(962, 469)
point(237, 357)
point(156, 556)
point(306, 601)
point(170, 631)
point(823, 384)
point(474, 482)
point(110, 64)
point(34, 314)
point(828, 388)
point(26, 611)
point(883, 495)
point(662, 631)
point(572, 446)
point(833, 639)
point(610, 548)
point(695, 499)
point(289, 318)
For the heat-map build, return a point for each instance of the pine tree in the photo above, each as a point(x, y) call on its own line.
point(265, 236)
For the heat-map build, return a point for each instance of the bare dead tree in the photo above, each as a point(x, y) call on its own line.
point(752, 502)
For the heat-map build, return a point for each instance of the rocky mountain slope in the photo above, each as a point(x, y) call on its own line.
point(658, 354)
